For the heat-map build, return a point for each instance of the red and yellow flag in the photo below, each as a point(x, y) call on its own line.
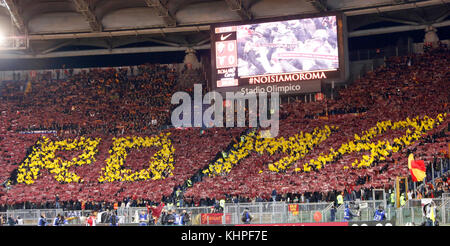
point(294, 209)
point(417, 169)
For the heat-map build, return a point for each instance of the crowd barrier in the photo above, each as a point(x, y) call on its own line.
point(265, 213)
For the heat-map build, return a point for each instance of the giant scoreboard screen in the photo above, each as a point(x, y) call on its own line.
point(286, 55)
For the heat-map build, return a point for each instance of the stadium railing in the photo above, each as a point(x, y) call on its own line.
point(262, 213)
point(31, 216)
point(280, 212)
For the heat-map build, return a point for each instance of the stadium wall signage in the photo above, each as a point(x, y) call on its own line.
point(286, 77)
point(307, 86)
point(214, 219)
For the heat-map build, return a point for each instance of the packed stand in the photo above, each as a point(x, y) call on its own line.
point(92, 122)
point(369, 148)
point(361, 144)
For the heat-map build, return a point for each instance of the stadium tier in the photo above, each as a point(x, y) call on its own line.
point(96, 137)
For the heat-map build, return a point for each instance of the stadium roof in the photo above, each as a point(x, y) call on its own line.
point(55, 27)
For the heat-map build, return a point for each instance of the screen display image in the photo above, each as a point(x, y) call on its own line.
point(287, 46)
point(278, 51)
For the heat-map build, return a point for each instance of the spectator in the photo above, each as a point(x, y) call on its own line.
point(185, 218)
point(57, 201)
point(402, 200)
point(392, 199)
point(114, 219)
point(430, 214)
point(333, 213)
point(274, 195)
point(340, 199)
point(19, 220)
point(163, 217)
point(170, 218)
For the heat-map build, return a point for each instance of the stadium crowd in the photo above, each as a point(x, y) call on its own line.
point(393, 94)
point(108, 123)
point(110, 100)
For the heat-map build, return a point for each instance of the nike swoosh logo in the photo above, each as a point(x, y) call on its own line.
point(224, 37)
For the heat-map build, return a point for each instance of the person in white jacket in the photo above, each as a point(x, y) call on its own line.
point(430, 214)
point(19, 220)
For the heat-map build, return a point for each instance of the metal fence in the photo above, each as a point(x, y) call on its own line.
point(31, 216)
point(131, 215)
point(275, 212)
point(412, 211)
point(264, 213)
point(271, 213)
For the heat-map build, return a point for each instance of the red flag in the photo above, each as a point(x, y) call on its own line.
point(156, 212)
point(418, 170)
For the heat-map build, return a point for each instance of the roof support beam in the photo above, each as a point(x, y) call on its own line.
point(320, 5)
point(405, 6)
point(163, 12)
point(168, 43)
point(443, 16)
point(238, 7)
point(83, 7)
point(55, 47)
point(204, 41)
point(97, 52)
point(377, 31)
point(153, 31)
point(407, 22)
point(14, 11)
